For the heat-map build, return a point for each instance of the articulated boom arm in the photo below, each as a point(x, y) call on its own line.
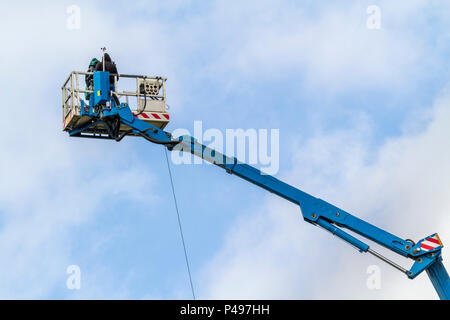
point(426, 253)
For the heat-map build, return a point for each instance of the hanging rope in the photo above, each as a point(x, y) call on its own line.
point(179, 225)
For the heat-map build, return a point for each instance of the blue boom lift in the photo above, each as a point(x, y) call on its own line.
point(104, 117)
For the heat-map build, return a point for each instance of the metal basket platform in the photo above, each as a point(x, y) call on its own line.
point(147, 102)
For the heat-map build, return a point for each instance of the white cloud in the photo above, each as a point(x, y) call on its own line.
point(330, 47)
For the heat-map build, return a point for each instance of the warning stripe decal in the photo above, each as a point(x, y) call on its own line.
point(431, 243)
point(152, 116)
point(431, 239)
point(424, 246)
point(67, 120)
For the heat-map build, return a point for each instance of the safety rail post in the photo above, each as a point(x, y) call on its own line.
point(63, 89)
point(71, 92)
point(77, 89)
point(164, 91)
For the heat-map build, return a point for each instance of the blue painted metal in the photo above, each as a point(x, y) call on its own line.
point(314, 210)
point(361, 246)
point(101, 88)
point(440, 279)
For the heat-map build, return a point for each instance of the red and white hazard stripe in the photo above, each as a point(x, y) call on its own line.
point(67, 120)
point(431, 243)
point(152, 116)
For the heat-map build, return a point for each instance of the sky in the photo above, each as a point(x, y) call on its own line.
point(363, 117)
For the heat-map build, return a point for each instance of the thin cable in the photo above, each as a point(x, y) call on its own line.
point(179, 225)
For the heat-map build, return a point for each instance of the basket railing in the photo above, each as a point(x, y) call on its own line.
point(72, 93)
